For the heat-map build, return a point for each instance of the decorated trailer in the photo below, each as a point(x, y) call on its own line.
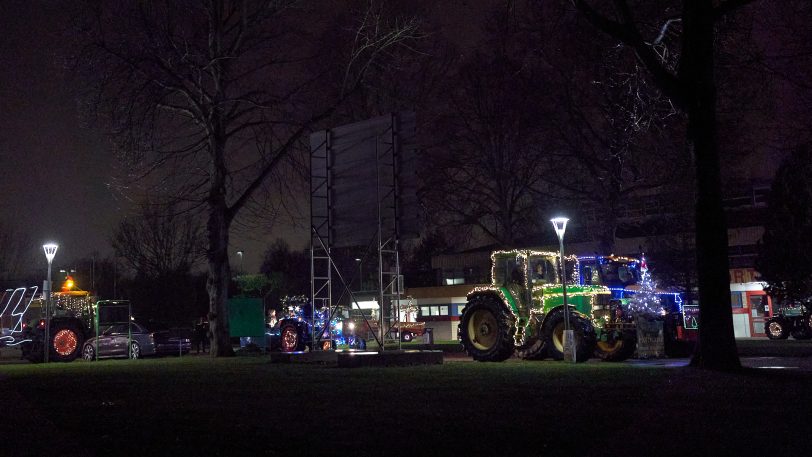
point(408, 331)
point(522, 310)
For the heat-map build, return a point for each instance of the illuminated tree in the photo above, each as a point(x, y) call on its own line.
point(645, 300)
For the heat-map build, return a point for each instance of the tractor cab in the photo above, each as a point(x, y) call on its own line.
point(527, 268)
point(610, 271)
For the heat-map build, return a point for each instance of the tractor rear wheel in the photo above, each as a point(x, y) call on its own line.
point(486, 329)
point(290, 340)
point(66, 342)
point(617, 347)
point(583, 334)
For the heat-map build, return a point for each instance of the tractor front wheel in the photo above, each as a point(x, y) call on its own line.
point(617, 347)
point(776, 330)
point(486, 329)
point(583, 334)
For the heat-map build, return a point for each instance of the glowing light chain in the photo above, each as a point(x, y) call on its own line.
point(522, 257)
point(609, 258)
point(18, 311)
point(544, 293)
point(519, 337)
point(634, 264)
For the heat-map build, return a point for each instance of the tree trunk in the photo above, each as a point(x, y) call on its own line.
point(218, 281)
point(219, 270)
point(717, 346)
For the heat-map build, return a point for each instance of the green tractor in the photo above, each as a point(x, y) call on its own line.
point(522, 311)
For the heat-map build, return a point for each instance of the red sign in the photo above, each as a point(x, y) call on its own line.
point(742, 275)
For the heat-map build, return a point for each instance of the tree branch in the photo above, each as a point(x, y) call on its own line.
point(728, 6)
point(627, 33)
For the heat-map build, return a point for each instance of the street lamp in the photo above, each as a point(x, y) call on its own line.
point(240, 253)
point(50, 252)
point(560, 226)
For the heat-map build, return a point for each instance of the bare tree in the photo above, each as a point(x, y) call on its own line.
point(159, 241)
point(691, 86)
point(208, 98)
point(488, 164)
point(16, 252)
point(608, 141)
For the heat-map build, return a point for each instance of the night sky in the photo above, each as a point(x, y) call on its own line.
point(53, 172)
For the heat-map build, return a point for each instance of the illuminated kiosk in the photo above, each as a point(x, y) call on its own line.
point(363, 202)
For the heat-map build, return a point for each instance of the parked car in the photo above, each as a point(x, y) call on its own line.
point(134, 341)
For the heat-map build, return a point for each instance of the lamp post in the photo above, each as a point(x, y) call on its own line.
point(360, 276)
point(50, 252)
point(560, 226)
point(240, 254)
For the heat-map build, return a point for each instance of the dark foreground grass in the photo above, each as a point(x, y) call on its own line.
point(247, 406)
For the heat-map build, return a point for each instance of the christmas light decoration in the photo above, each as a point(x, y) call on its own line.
point(646, 301)
point(17, 297)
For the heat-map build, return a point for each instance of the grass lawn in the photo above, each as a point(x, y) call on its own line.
point(247, 406)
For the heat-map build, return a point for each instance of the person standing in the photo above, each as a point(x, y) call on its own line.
point(200, 336)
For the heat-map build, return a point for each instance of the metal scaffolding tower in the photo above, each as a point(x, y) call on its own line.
point(362, 194)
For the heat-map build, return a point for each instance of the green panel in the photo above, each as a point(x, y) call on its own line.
point(553, 297)
point(246, 317)
point(510, 299)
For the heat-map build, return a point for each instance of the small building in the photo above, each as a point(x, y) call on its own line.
point(440, 308)
point(750, 304)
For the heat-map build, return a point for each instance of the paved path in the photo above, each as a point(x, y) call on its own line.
point(803, 363)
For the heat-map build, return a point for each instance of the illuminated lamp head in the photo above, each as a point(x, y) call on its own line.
point(560, 226)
